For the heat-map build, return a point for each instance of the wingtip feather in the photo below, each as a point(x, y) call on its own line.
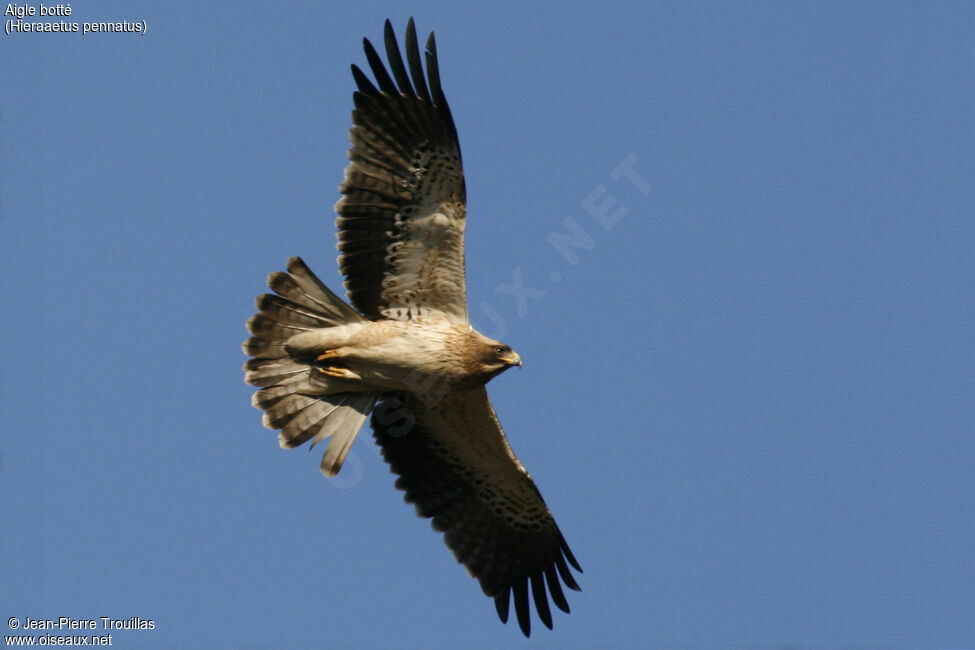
point(541, 600)
point(501, 603)
point(522, 609)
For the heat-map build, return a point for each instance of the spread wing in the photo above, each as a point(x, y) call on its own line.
point(401, 217)
point(455, 464)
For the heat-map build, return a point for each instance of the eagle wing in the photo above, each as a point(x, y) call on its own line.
point(456, 466)
point(401, 216)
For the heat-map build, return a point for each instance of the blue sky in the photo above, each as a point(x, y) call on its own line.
point(749, 401)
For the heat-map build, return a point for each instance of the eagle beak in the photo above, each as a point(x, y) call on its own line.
point(513, 360)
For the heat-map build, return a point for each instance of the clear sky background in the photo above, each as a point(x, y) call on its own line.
point(749, 402)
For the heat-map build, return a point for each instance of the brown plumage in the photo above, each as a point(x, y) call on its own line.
point(406, 352)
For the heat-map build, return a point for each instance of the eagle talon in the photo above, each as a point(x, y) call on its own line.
point(331, 371)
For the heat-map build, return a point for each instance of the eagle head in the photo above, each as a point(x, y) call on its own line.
point(493, 358)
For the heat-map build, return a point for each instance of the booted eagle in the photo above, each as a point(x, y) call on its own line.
point(407, 352)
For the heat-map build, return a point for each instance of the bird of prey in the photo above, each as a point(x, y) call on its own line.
point(405, 350)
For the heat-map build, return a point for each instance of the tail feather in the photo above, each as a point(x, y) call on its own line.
point(308, 424)
point(286, 409)
point(270, 329)
point(350, 416)
point(267, 372)
point(316, 421)
point(303, 287)
point(286, 311)
point(301, 402)
point(264, 349)
point(266, 398)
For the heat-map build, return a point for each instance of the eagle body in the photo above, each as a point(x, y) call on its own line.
point(433, 355)
point(404, 350)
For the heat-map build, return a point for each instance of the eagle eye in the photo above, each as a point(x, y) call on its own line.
point(500, 349)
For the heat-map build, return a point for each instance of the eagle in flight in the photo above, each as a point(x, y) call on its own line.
point(405, 350)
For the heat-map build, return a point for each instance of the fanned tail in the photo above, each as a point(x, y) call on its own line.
point(301, 402)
